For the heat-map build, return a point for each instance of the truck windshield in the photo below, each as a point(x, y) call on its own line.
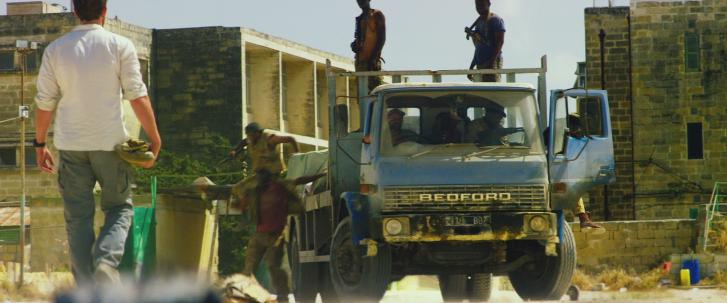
point(460, 123)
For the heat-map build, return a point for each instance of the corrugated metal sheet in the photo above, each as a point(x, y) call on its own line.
point(10, 216)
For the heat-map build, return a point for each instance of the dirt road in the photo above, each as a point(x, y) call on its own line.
point(425, 290)
point(665, 296)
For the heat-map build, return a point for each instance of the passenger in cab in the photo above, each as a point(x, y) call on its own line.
point(395, 118)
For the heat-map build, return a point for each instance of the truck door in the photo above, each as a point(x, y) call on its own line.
point(580, 144)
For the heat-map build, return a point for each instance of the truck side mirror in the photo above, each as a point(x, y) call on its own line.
point(341, 120)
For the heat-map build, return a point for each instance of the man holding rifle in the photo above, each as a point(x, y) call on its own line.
point(262, 146)
point(488, 36)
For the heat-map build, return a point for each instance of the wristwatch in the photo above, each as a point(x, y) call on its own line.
point(37, 144)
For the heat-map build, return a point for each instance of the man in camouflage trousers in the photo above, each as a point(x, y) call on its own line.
point(269, 202)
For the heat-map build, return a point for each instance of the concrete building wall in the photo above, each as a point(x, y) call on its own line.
point(264, 87)
point(198, 86)
point(616, 201)
point(37, 184)
point(43, 28)
point(9, 253)
point(668, 96)
point(32, 7)
point(322, 83)
point(300, 97)
point(665, 72)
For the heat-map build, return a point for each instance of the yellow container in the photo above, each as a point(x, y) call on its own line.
point(685, 277)
point(186, 236)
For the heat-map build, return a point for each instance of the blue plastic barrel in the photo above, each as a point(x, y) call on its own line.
point(693, 267)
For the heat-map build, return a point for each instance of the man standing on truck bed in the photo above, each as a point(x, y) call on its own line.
point(369, 40)
point(269, 203)
point(488, 36)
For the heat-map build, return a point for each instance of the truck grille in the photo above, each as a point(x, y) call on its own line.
point(466, 198)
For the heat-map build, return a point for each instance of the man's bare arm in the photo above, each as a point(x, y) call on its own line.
point(275, 140)
point(499, 42)
point(144, 112)
point(43, 156)
point(380, 34)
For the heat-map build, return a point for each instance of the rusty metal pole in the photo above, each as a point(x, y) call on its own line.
point(22, 112)
point(23, 47)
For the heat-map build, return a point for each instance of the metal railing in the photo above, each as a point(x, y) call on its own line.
point(719, 197)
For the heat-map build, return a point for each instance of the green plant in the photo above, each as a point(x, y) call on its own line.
point(233, 237)
point(178, 169)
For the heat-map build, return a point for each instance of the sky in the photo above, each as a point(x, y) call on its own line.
point(421, 34)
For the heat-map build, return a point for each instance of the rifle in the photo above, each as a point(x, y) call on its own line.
point(239, 148)
point(470, 32)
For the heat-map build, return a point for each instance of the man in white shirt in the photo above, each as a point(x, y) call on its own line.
point(81, 80)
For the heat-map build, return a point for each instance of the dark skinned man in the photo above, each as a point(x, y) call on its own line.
point(262, 146)
point(269, 203)
point(488, 36)
point(370, 37)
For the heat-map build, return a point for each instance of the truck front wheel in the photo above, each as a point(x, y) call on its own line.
point(549, 277)
point(355, 276)
point(457, 288)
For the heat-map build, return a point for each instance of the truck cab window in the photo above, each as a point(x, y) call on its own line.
point(458, 123)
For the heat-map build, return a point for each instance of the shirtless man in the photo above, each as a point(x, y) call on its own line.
point(369, 40)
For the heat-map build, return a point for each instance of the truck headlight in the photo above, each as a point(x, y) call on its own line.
point(538, 224)
point(393, 227)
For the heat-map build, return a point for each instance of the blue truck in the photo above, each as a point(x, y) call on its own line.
point(453, 180)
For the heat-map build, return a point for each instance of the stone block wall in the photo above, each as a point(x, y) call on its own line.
point(45, 28)
point(9, 253)
point(668, 96)
point(198, 85)
point(614, 77)
point(654, 96)
point(37, 184)
point(641, 245)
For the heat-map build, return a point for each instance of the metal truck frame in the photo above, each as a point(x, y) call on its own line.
point(383, 218)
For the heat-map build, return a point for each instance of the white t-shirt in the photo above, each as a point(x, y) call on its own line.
point(82, 77)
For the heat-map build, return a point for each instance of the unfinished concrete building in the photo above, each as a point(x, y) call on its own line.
point(204, 83)
point(663, 65)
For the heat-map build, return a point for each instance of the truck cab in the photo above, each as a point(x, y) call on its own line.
point(455, 180)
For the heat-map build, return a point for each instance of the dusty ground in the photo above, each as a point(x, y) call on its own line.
point(425, 291)
point(666, 296)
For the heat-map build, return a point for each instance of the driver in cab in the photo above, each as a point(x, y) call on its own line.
point(395, 118)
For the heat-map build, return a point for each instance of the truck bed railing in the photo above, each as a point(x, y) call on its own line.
point(396, 77)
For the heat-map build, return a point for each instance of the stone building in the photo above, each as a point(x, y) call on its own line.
point(663, 64)
point(39, 22)
point(204, 83)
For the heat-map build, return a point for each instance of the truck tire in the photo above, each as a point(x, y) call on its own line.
point(357, 278)
point(453, 287)
point(552, 275)
point(474, 288)
point(304, 276)
point(480, 287)
point(328, 293)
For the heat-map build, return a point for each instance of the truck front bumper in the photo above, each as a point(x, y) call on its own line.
point(470, 227)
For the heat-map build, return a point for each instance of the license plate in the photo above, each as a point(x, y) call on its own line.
point(467, 220)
